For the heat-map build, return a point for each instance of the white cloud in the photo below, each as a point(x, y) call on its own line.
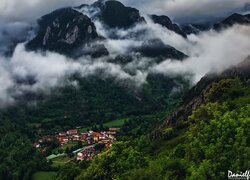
point(208, 51)
point(51, 70)
point(211, 52)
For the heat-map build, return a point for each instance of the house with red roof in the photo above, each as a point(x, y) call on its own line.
point(97, 136)
point(72, 132)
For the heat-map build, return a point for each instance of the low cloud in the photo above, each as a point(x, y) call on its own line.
point(210, 52)
point(40, 72)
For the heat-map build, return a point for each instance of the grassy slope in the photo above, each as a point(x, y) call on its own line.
point(109, 124)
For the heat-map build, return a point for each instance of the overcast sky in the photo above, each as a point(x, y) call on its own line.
point(180, 10)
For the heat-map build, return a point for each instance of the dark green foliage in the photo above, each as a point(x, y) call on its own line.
point(220, 144)
point(18, 158)
point(168, 133)
point(96, 101)
point(121, 158)
point(68, 172)
point(216, 141)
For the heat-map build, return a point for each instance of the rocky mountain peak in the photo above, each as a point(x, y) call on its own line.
point(166, 22)
point(63, 30)
point(115, 14)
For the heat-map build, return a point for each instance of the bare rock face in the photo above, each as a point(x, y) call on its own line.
point(63, 31)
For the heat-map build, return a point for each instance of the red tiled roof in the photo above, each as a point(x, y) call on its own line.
point(97, 134)
point(72, 131)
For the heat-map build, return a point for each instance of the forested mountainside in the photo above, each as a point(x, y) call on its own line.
point(211, 133)
point(107, 71)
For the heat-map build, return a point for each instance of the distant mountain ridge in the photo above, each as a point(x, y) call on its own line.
point(223, 24)
point(71, 31)
point(233, 19)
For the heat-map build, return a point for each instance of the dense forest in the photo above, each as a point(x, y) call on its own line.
point(218, 132)
point(204, 147)
point(96, 102)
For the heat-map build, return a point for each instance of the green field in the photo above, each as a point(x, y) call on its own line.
point(60, 161)
point(69, 145)
point(115, 123)
point(43, 175)
point(64, 147)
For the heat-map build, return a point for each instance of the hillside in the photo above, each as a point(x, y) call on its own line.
point(197, 96)
point(212, 133)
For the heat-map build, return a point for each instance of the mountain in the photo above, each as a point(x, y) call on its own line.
point(66, 31)
point(113, 13)
point(157, 49)
point(231, 20)
point(195, 28)
point(197, 95)
point(166, 22)
point(70, 32)
point(225, 23)
point(190, 144)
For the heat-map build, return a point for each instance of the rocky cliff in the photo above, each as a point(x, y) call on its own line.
point(64, 31)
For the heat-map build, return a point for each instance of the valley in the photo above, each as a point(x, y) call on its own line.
point(103, 91)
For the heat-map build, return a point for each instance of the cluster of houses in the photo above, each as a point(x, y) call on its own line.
point(90, 137)
point(85, 153)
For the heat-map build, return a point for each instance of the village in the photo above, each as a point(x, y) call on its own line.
point(91, 143)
